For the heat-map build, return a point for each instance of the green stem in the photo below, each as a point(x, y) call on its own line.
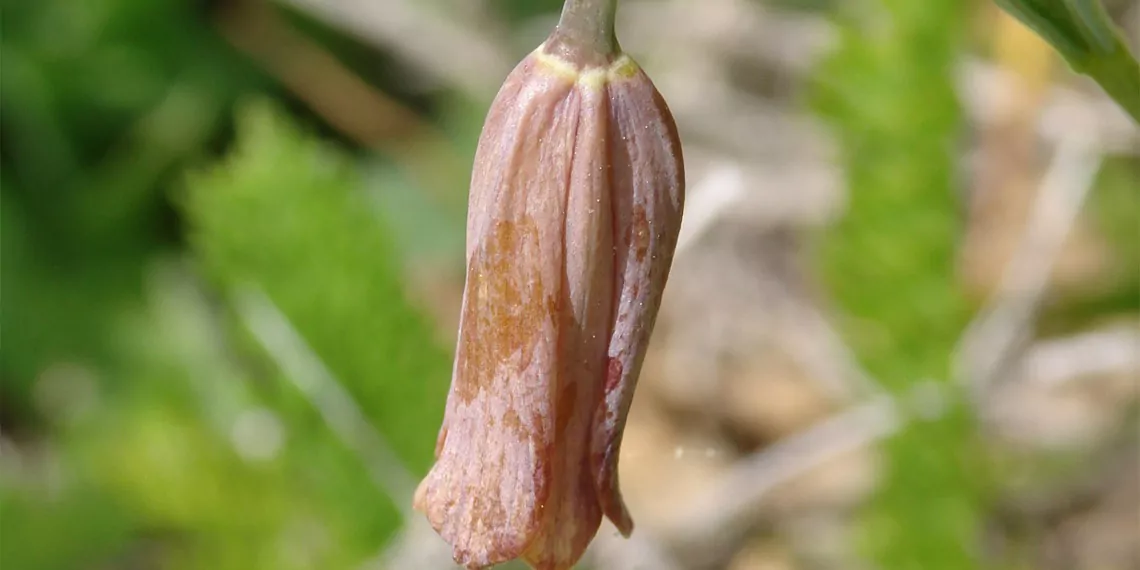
point(585, 33)
point(1118, 74)
point(1085, 36)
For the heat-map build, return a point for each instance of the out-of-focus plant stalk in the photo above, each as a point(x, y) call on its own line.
point(1083, 33)
point(1118, 74)
point(890, 265)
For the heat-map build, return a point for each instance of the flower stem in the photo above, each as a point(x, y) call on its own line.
point(585, 33)
point(1118, 74)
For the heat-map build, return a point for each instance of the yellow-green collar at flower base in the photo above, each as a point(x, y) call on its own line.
point(591, 77)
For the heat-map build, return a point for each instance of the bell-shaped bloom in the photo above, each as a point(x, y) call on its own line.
point(575, 205)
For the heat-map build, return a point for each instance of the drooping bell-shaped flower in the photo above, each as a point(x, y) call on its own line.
point(575, 206)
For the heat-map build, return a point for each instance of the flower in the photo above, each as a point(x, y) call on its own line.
point(575, 205)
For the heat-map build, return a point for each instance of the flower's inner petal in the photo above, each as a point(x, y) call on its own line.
point(648, 193)
point(572, 514)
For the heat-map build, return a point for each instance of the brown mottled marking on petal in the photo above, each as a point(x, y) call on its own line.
point(504, 308)
point(640, 233)
point(613, 374)
point(513, 422)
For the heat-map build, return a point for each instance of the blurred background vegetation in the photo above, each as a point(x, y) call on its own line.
point(901, 332)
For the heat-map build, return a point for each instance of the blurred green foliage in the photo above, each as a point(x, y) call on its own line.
point(151, 177)
point(286, 215)
point(132, 390)
point(162, 458)
point(890, 265)
point(101, 105)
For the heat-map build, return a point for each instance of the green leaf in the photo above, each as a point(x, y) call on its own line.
point(1081, 31)
point(285, 214)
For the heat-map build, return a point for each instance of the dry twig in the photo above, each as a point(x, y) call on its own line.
point(989, 342)
point(301, 366)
